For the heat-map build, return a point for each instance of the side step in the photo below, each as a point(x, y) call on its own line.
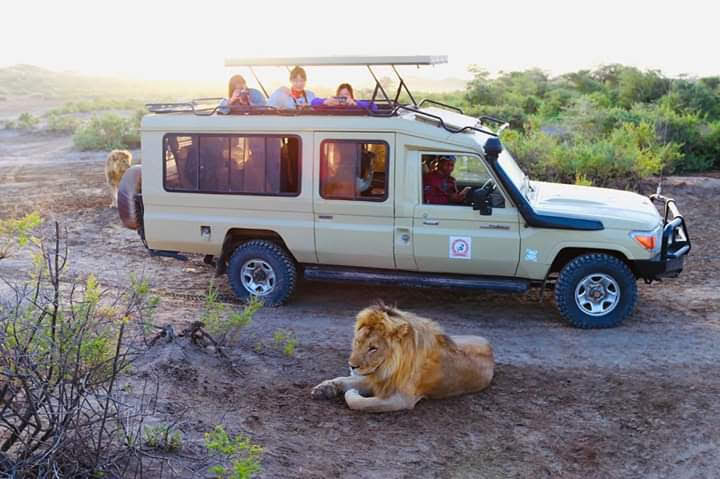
point(412, 279)
point(167, 254)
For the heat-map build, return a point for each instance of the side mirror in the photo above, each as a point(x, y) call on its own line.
point(481, 201)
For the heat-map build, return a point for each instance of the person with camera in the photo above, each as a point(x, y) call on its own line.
point(294, 97)
point(344, 97)
point(240, 95)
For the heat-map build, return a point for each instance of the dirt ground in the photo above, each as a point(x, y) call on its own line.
point(640, 400)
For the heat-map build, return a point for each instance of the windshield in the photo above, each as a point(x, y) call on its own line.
point(516, 175)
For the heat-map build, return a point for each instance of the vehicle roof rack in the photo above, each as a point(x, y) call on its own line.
point(193, 106)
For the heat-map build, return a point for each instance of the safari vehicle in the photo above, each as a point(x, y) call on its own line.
point(337, 195)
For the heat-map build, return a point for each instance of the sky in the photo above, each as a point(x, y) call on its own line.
point(155, 39)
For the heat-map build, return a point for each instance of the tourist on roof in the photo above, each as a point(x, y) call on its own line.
point(344, 97)
point(240, 95)
point(295, 96)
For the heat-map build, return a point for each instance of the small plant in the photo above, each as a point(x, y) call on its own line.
point(163, 437)
point(219, 322)
point(582, 180)
point(286, 341)
point(243, 456)
point(16, 233)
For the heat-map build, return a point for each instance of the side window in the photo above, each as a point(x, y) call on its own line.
point(354, 170)
point(262, 165)
point(450, 180)
point(181, 166)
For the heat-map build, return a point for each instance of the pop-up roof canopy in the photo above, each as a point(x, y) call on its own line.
point(368, 61)
point(336, 61)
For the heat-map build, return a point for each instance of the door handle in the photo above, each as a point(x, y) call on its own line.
point(431, 222)
point(325, 217)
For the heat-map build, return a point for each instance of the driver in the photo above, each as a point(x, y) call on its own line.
point(439, 187)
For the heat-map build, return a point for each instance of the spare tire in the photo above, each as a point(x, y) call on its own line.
point(129, 198)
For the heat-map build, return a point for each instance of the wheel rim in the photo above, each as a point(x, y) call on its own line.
point(258, 277)
point(597, 294)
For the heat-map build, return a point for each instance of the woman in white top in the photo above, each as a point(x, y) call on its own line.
point(295, 96)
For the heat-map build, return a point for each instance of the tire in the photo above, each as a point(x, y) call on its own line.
point(595, 291)
point(129, 204)
point(263, 269)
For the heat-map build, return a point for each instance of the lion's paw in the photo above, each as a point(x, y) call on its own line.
point(324, 390)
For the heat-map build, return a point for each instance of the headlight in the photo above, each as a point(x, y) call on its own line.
point(650, 240)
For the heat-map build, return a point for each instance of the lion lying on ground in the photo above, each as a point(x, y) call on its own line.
point(399, 358)
point(117, 163)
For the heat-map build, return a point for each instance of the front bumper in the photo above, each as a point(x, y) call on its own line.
point(675, 245)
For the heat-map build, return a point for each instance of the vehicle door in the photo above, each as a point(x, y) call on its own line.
point(353, 199)
point(455, 238)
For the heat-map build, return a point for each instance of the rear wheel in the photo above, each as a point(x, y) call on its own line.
point(262, 269)
point(595, 291)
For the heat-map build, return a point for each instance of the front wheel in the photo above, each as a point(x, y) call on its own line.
point(262, 269)
point(595, 291)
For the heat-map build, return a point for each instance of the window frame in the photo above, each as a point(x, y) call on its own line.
point(196, 136)
point(382, 199)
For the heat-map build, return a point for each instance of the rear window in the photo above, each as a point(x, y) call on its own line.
point(235, 164)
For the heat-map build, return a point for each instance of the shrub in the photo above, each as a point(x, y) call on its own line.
point(64, 345)
point(244, 457)
point(697, 138)
point(26, 121)
point(16, 233)
point(286, 341)
point(223, 324)
point(163, 437)
point(107, 132)
point(57, 123)
point(629, 153)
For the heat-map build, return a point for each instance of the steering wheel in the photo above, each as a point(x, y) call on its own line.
point(488, 187)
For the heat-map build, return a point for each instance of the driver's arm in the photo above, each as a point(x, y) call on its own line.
point(458, 196)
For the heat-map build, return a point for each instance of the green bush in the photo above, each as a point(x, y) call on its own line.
point(57, 123)
point(629, 153)
point(286, 341)
point(610, 125)
point(698, 139)
point(163, 437)
point(26, 121)
point(107, 132)
point(97, 104)
point(244, 457)
point(16, 233)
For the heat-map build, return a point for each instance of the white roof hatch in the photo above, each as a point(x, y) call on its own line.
point(337, 61)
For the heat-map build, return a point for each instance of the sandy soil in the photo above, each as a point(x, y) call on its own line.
point(636, 401)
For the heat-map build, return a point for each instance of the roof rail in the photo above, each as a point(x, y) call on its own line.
point(435, 117)
point(444, 105)
point(185, 107)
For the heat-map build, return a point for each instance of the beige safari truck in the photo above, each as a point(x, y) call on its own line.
point(344, 194)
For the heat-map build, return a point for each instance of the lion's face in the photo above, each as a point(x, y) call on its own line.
point(370, 350)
